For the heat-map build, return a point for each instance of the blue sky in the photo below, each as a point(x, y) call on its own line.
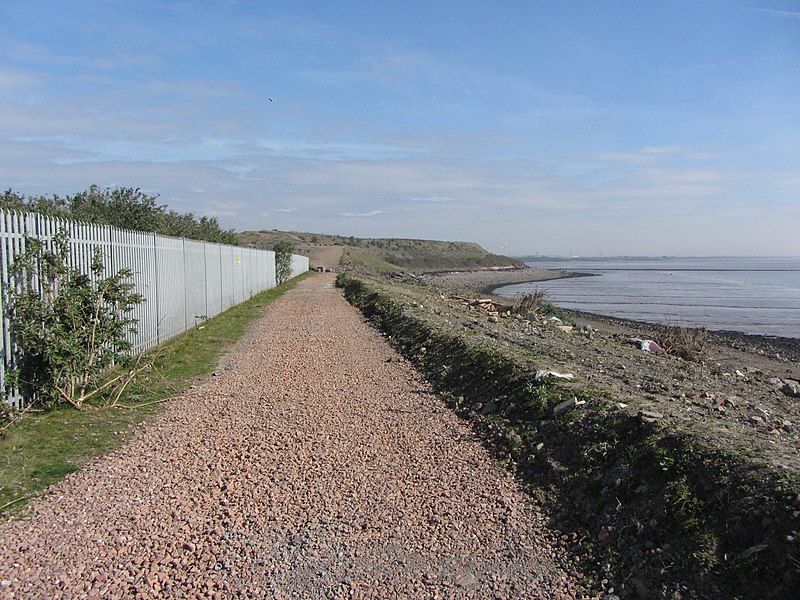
point(614, 127)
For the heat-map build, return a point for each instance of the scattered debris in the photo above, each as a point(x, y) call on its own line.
point(542, 375)
point(564, 406)
point(648, 345)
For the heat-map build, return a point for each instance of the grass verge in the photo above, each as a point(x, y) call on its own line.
point(43, 447)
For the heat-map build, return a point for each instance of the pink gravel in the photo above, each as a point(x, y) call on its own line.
point(317, 464)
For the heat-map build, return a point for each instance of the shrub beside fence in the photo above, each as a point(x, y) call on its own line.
point(184, 282)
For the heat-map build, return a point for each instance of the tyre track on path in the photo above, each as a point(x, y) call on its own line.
point(317, 464)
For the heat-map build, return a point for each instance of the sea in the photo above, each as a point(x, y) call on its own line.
point(750, 295)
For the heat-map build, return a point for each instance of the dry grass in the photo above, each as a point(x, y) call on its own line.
point(532, 302)
point(689, 343)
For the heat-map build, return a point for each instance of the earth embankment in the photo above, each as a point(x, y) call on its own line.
point(676, 473)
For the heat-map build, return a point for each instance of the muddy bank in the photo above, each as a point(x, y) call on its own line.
point(761, 348)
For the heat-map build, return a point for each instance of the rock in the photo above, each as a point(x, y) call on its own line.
point(639, 587)
point(490, 408)
point(514, 439)
point(615, 476)
point(467, 580)
point(564, 406)
point(791, 388)
point(649, 416)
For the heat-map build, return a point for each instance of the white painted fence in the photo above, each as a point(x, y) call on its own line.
point(183, 281)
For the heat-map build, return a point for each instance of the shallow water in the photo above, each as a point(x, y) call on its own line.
point(751, 295)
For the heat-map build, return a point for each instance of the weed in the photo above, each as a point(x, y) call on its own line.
point(525, 304)
point(688, 343)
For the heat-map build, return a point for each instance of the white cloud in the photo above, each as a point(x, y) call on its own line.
point(372, 213)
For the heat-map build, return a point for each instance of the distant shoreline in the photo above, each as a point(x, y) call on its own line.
point(486, 281)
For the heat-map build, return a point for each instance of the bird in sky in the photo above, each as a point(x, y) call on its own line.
point(270, 98)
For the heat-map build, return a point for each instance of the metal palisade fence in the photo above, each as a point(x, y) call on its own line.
point(184, 282)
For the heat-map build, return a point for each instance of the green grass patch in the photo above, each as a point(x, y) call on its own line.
point(43, 447)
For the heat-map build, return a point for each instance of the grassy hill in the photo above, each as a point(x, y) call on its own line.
point(384, 254)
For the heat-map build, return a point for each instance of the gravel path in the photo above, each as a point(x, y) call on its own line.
point(317, 464)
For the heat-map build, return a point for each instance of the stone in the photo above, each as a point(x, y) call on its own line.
point(563, 407)
point(490, 408)
point(791, 388)
point(466, 580)
point(649, 416)
point(639, 587)
point(514, 439)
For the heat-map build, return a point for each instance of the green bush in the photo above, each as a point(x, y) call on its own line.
point(68, 328)
point(283, 260)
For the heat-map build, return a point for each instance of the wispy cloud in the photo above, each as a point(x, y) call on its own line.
point(784, 14)
point(565, 141)
point(19, 79)
point(372, 213)
point(112, 60)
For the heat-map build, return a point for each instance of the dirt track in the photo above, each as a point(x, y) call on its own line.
point(317, 464)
